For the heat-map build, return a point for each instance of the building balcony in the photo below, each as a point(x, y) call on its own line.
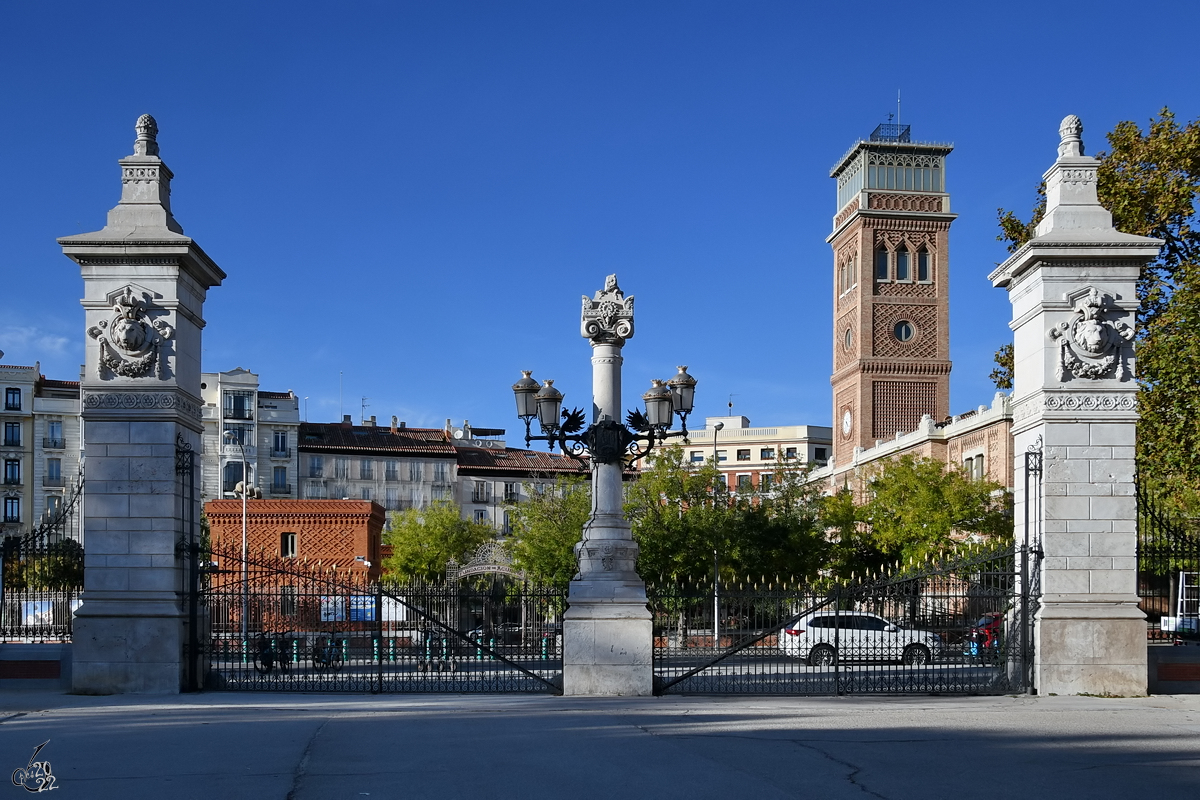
point(11, 481)
point(15, 518)
point(284, 453)
point(234, 452)
point(58, 482)
point(239, 413)
point(391, 476)
point(54, 444)
point(285, 488)
point(12, 442)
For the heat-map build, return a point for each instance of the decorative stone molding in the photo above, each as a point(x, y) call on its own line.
point(1089, 345)
point(608, 317)
point(130, 342)
point(142, 400)
point(1091, 401)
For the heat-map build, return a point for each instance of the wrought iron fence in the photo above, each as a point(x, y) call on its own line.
point(41, 577)
point(289, 625)
point(1168, 559)
point(953, 627)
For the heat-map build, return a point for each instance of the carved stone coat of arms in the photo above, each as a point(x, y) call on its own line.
point(131, 341)
point(1089, 343)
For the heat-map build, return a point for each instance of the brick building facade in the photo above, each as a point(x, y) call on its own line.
point(345, 533)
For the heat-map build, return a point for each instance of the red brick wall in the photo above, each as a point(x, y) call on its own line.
point(329, 531)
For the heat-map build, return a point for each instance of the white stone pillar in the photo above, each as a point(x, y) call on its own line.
point(1073, 289)
point(144, 289)
point(607, 632)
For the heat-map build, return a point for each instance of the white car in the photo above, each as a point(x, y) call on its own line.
point(822, 637)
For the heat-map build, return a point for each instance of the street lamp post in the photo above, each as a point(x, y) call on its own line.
point(243, 489)
point(607, 633)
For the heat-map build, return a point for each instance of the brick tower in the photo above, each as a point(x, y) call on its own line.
point(890, 239)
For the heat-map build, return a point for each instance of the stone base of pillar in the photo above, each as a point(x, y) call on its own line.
point(608, 640)
point(1090, 648)
point(118, 653)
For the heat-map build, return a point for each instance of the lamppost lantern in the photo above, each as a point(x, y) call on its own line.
point(607, 322)
point(660, 405)
point(683, 392)
point(549, 405)
point(525, 391)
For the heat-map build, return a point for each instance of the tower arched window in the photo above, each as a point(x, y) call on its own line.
point(902, 272)
point(923, 265)
point(881, 264)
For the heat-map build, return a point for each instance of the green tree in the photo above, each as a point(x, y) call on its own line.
point(682, 512)
point(1149, 181)
point(546, 528)
point(1002, 375)
point(915, 503)
point(424, 539)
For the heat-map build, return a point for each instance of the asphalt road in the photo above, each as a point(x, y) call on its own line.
point(326, 747)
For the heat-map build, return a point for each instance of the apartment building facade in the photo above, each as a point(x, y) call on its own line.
point(40, 448)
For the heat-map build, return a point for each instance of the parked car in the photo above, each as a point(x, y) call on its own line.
point(823, 637)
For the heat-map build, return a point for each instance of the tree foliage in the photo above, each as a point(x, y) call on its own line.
point(1149, 180)
point(1002, 375)
point(916, 503)
point(424, 539)
point(546, 528)
point(682, 512)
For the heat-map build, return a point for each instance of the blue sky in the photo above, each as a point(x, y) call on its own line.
point(416, 195)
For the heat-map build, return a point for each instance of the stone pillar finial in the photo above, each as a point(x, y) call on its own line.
point(147, 136)
point(1071, 134)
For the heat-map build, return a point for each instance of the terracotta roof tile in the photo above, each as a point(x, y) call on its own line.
point(513, 462)
point(332, 437)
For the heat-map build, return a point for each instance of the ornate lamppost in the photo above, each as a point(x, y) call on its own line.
point(607, 634)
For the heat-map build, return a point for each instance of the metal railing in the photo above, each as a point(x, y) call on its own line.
point(42, 583)
point(1168, 546)
point(284, 488)
point(284, 453)
point(947, 628)
point(311, 628)
point(238, 413)
point(54, 444)
point(53, 482)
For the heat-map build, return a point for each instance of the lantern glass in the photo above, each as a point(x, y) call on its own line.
point(549, 405)
point(683, 391)
point(659, 405)
point(525, 391)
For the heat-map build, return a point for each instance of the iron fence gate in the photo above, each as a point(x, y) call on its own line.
point(954, 627)
point(41, 576)
point(1168, 562)
point(286, 625)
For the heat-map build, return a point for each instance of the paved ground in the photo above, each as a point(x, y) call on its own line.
point(324, 747)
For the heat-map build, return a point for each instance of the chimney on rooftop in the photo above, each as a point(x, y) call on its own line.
point(346, 423)
point(395, 422)
point(370, 423)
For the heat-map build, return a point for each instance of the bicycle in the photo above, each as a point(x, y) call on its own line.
point(269, 655)
point(327, 656)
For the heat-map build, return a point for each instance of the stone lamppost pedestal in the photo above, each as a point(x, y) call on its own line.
point(607, 632)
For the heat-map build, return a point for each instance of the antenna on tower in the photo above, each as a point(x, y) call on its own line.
point(898, 122)
point(362, 417)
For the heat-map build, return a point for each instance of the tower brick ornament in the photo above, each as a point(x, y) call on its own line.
point(1073, 289)
point(144, 288)
point(890, 244)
